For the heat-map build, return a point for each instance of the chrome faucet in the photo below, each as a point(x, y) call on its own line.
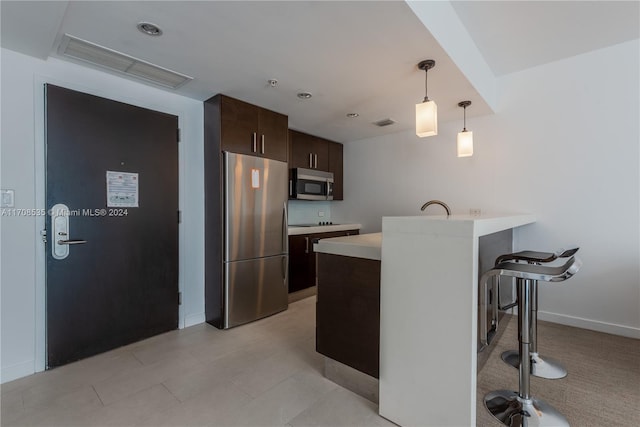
point(437, 202)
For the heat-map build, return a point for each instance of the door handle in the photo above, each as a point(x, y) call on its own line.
point(60, 231)
point(72, 242)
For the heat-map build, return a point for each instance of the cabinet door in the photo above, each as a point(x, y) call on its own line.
point(239, 126)
point(300, 155)
point(302, 263)
point(308, 151)
point(335, 166)
point(272, 138)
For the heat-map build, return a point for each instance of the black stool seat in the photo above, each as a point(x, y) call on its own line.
point(520, 408)
point(537, 257)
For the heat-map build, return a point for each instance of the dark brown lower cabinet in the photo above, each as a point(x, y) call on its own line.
point(302, 258)
point(348, 311)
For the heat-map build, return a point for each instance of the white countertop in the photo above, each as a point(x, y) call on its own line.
point(297, 230)
point(456, 225)
point(367, 246)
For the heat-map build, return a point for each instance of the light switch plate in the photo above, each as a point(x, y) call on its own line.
point(8, 198)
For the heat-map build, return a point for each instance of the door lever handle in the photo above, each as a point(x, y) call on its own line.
point(72, 242)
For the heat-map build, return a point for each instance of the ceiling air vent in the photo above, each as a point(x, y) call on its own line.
point(384, 122)
point(83, 50)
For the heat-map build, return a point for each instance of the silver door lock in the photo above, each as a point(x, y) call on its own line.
point(60, 232)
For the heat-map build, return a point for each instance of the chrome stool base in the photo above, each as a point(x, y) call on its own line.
point(513, 411)
point(541, 367)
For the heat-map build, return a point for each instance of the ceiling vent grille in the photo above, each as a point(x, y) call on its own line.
point(83, 50)
point(384, 122)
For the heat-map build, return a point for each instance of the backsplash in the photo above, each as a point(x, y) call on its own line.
point(306, 212)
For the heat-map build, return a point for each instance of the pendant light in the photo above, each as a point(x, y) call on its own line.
point(465, 138)
point(427, 110)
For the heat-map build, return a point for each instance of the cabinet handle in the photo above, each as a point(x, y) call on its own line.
point(262, 145)
point(310, 160)
point(316, 161)
point(306, 245)
point(255, 142)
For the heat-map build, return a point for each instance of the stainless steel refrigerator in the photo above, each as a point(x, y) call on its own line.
point(255, 254)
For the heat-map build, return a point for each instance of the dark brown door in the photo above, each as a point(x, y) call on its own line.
point(115, 167)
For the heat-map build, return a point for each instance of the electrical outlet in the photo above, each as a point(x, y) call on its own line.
point(475, 212)
point(320, 213)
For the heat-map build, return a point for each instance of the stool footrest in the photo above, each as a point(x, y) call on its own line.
point(541, 366)
point(511, 410)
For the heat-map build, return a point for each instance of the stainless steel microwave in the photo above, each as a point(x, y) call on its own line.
point(310, 184)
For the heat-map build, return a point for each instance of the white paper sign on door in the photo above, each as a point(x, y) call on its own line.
point(122, 189)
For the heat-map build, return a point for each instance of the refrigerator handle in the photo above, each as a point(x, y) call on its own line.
point(285, 271)
point(285, 229)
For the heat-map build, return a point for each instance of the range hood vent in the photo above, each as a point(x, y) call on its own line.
point(83, 50)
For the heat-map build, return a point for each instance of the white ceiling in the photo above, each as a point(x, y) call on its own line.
point(515, 35)
point(352, 56)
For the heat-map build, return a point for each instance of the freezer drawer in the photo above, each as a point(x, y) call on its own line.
point(255, 288)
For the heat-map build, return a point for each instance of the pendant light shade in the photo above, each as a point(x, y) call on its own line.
point(465, 137)
point(426, 119)
point(465, 143)
point(427, 110)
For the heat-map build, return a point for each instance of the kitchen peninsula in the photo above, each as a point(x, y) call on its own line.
point(428, 308)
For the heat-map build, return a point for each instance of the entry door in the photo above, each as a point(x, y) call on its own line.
point(112, 259)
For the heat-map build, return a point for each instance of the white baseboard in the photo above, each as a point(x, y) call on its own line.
point(194, 319)
point(18, 370)
point(593, 325)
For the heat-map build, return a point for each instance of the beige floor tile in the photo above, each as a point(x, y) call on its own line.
point(69, 409)
point(221, 370)
point(135, 408)
point(129, 382)
point(11, 406)
point(215, 406)
point(340, 408)
point(280, 404)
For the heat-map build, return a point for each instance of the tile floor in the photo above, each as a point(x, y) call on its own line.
point(267, 373)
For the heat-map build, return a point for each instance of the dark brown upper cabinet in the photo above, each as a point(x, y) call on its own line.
point(308, 151)
point(249, 129)
point(312, 152)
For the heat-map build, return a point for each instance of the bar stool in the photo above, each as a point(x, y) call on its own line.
point(520, 408)
point(542, 367)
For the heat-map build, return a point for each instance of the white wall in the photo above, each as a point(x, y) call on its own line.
point(564, 145)
point(22, 284)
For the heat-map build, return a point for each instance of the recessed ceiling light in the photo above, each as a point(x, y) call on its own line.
point(149, 28)
point(353, 115)
point(304, 95)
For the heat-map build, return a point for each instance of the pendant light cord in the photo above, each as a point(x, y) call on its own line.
point(464, 120)
point(426, 86)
